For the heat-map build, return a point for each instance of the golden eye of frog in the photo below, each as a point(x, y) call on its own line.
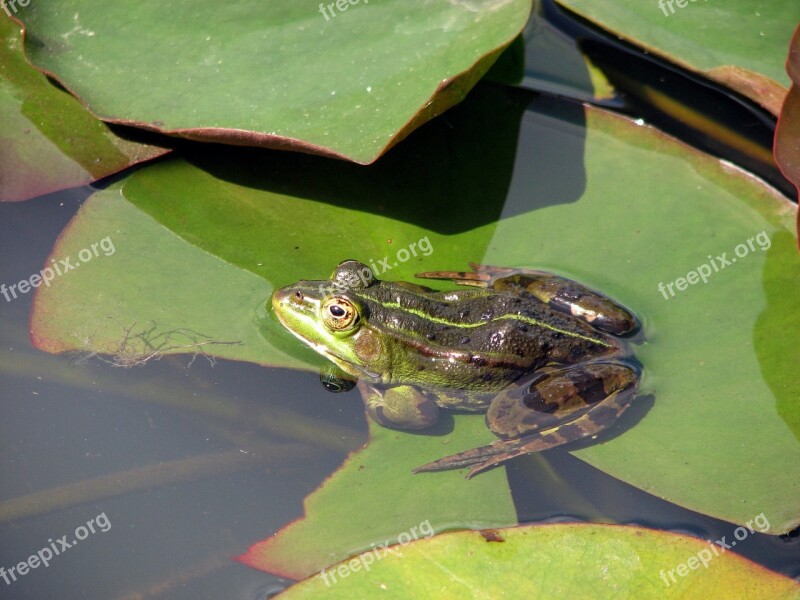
point(540, 354)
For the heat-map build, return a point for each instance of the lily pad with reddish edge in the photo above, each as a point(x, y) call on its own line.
point(48, 141)
point(738, 44)
point(787, 135)
point(574, 560)
point(272, 73)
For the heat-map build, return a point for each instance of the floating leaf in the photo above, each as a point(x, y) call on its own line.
point(738, 44)
point(553, 561)
point(336, 525)
point(157, 294)
point(344, 79)
point(596, 200)
point(48, 141)
point(787, 135)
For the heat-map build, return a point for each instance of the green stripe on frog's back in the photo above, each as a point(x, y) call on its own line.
point(424, 305)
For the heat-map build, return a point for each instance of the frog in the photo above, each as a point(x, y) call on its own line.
point(545, 357)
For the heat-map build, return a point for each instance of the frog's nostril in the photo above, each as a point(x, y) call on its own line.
point(298, 296)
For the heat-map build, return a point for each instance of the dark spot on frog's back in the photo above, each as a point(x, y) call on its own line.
point(478, 361)
point(575, 353)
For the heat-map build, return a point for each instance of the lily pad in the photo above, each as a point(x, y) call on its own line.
point(48, 141)
point(553, 561)
point(739, 44)
point(161, 306)
point(336, 525)
point(787, 135)
point(637, 210)
point(343, 79)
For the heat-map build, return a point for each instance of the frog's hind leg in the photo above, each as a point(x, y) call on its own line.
point(561, 294)
point(578, 381)
point(569, 296)
point(486, 457)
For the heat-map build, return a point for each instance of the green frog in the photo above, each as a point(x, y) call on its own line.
point(538, 353)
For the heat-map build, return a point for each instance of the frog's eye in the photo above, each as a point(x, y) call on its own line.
point(339, 314)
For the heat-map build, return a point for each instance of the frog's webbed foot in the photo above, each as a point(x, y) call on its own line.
point(480, 458)
point(401, 407)
point(486, 457)
point(571, 422)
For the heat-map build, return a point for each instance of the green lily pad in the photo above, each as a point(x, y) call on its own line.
point(616, 205)
point(336, 525)
point(160, 307)
point(344, 79)
point(739, 44)
point(48, 141)
point(552, 561)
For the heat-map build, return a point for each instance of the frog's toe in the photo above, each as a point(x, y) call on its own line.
point(496, 453)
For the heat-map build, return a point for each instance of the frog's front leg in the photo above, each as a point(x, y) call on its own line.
point(551, 409)
point(399, 407)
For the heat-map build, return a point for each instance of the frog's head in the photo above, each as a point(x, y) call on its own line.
point(332, 318)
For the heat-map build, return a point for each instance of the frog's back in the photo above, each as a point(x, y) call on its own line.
point(477, 339)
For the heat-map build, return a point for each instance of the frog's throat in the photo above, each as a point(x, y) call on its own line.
point(344, 365)
point(348, 367)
